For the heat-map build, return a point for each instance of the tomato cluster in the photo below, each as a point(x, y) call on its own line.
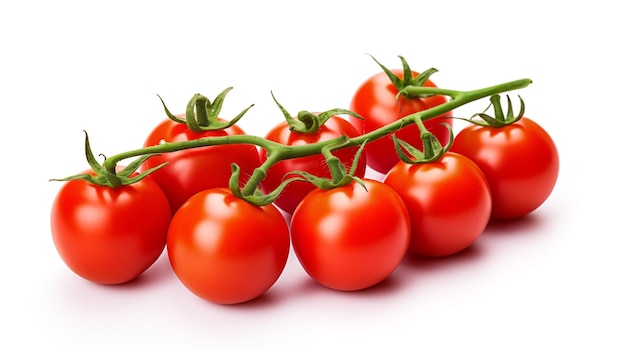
point(437, 194)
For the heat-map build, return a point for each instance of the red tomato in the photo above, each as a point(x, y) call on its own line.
point(110, 235)
point(192, 170)
point(376, 101)
point(349, 238)
point(291, 196)
point(520, 162)
point(226, 250)
point(449, 203)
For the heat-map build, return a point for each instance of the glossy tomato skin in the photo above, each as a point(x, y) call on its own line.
point(192, 170)
point(449, 203)
point(110, 235)
point(376, 101)
point(291, 196)
point(520, 161)
point(349, 238)
point(226, 250)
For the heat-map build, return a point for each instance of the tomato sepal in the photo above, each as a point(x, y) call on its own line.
point(308, 122)
point(433, 150)
point(203, 115)
point(340, 175)
point(117, 177)
point(408, 80)
point(499, 119)
point(257, 197)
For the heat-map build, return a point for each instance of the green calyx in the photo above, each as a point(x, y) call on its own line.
point(340, 176)
point(407, 79)
point(433, 150)
point(257, 198)
point(499, 119)
point(110, 177)
point(203, 115)
point(308, 122)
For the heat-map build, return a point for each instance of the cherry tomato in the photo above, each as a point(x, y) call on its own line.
point(350, 238)
point(110, 235)
point(226, 250)
point(449, 203)
point(291, 196)
point(192, 170)
point(376, 101)
point(520, 161)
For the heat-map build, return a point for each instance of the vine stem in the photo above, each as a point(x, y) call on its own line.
point(278, 152)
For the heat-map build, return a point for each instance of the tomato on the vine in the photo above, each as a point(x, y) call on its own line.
point(520, 161)
point(350, 238)
point(377, 102)
point(110, 235)
point(225, 249)
point(316, 165)
point(449, 203)
point(189, 171)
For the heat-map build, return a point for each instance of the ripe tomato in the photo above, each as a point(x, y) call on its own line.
point(192, 170)
point(520, 161)
point(226, 250)
point(110, 235)
point(350, 238)
point(291, 196)
point(449, 203)
point(376, 101)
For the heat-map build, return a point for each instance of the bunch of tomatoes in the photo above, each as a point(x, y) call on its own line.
point(437, 194)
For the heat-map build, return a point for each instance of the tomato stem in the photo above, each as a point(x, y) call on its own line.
point(337, 169)
point(259, 173)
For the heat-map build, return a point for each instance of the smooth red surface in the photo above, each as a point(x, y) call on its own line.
point(226, 250)
point(520, 161)
point(349, 238)
point(110, 235)
point(449, 203)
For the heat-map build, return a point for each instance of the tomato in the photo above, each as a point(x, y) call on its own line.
point(110, 235)
point(349, 238)
point(226, 250)
point(449, 203)
point(291, 196)
point(520, 161)
point(192, 170)
point(375, 100)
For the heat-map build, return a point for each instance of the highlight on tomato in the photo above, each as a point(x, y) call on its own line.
point(192, 170)
point(378, 102)
point(307, 128)
point(351, 237)
point(226, 250)
point(518, 157)
point(109, 228)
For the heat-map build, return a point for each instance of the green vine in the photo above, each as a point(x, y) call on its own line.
point(202, 114)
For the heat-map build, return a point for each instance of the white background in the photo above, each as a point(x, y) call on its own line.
point(553, 281)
